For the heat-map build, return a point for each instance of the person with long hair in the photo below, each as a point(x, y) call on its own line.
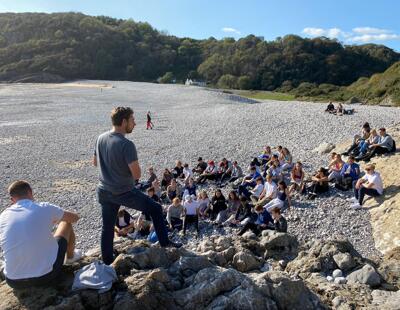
point(282, 196)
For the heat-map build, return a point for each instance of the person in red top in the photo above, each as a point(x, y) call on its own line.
point(149, 122)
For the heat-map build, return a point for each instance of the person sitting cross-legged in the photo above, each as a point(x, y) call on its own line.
point(33, 255)
point(280, 223)
point(174, 214)
point(262, 222)
point(350, 172)
point(269, 192)
point(190, 213)
point(370, 184)
point(124, 224)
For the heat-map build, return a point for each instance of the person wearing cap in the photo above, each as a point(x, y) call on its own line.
point(201, 166)
point(190, 213)
point(385, 145)
point(370, 184)
point(209, 174)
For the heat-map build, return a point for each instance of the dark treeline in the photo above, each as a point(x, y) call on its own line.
point(77, 46)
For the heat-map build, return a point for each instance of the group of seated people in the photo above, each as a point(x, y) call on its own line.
point(371, 142)
point(340, 110)
point(269, 186)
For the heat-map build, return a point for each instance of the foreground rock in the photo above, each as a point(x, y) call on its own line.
point(224, 273)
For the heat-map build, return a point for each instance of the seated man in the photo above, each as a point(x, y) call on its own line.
point(269, 192)
point(384, 145)
point(237, 172)
point(370, 184)
point(201, 166)
point(262, 222)
point(249, 180)
point(152, 176)
point(280, 223)
point(330, 108)
point(349, 173)
point(124, 224)
point(33, 255)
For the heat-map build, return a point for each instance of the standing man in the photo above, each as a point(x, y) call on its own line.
point(118, 164)
point(149, 123)
point(33, 255)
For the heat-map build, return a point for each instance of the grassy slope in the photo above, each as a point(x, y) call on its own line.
point(267, 95)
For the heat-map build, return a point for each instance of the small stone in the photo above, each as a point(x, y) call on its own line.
point(329, 278)
point(337, 273)
point(340, 280)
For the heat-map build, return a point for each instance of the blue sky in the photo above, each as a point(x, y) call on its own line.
point(351, 21)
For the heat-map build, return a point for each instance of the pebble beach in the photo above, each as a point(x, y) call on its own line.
point(48, 133)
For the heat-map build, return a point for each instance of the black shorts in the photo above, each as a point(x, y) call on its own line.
point(48, 277)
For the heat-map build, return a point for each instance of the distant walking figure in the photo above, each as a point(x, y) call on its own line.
point(119, 168)
point(149, 122)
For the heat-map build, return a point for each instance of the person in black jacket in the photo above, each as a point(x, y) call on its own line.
point(218, 204)
point(124, 223)
point(280, 223)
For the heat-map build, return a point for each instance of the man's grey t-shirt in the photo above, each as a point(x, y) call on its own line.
point(114, 153)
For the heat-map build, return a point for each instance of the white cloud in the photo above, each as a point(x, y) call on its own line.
point(230, 30)
point(357, 35)
point(370, 30)
point(374, 37)
point(318, 32)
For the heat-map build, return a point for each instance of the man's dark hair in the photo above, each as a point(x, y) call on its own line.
point(19, 189)
point(118, 114)
point(151, 189)
point(259, 208)
point(259, 179)
point(352, 157)
point(276, 210)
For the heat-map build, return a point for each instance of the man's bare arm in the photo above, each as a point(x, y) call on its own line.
point(135, 170)
point(70, 217)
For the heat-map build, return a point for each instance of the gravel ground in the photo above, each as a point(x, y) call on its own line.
point(47, 136)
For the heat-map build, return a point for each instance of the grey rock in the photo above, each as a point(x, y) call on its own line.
point(246, 261)
point(344, 261)
point(365, 275)
point(337, 273)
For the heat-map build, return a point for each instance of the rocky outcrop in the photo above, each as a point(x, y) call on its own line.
point(324, 148)
point(224, 273)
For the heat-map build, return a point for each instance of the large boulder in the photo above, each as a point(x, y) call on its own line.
point(389, 269)
point(324, 148)
point(245, 261)
point(278, 245)
point(365, 275)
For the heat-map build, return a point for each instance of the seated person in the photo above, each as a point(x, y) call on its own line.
point(335, 166)
point(124, 224)
point(209, 174)
point(320, 183)
point(282, 195)
point(242, 214)
point(145, 185)
point(190, 189)
point(250, 179)
point(157, 188)
point(254, 193)
point(370, 184)
point(174, 190)
point(262, 222)
point(226, 170)
point(350, 172)
point(142, 225)
point(204, 202)
point(297, 178)
point(275, 172)
point(217, 205)
point(152, 194)
point(178, 170)
point(33, 256)
point(385, 145)
point(187, 172)
point(269, 192)
point(365, 133)
point(330, 108)
point(190, 213)
point(233, 202)
point(237, 172)
point(265, 155)
point(363, 146)
point(174, 214)
point(340, 109)
point(285, 159)
point(167, 178)
point(280, 223)
point(201, 166)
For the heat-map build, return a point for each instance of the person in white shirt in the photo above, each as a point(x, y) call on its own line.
point(268, 193)
point(257, 190)
point(370, 184)
point(33, 255)
point(190, 213)
point(187, 172)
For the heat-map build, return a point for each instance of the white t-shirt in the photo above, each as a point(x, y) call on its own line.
point(270, 189)
point(122, 223)
point(258, 190)
point(376, 179)
point(26, 238)
point(191, 207)
point(188, 173)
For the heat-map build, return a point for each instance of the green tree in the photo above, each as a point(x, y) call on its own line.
point(227, 81)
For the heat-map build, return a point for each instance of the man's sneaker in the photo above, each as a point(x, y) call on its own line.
point(352, 199)
point(77, 256)
point(172, 244)
point(356, 206)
